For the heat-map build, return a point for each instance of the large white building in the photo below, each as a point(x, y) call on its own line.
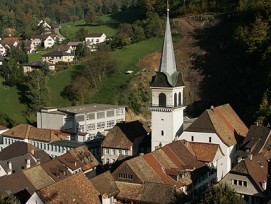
point(218, 125)
point(91, 118)
point(167, 97)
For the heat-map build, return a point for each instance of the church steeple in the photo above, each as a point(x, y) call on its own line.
point(167, 76)
point(167, 96)
point(167, 63)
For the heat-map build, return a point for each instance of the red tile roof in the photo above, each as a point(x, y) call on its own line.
point(221, 120)
point(25, 131)
point(74, 189)
point(203, 151)
point(158, 168)
point(9, 41)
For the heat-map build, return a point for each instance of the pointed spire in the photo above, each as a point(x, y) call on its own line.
point(167, 63)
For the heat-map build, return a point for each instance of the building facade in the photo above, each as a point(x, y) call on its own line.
point(91, 118)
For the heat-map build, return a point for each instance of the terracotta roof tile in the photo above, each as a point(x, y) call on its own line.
point(105, 184)
point(143, 170)
point(221, 120)
point(55, 169)
point(24, 131)
point(74, 189)
point(9, 41)
point(256, 168)
point(203, 151)
point(158, 168)
point(122, 135)
point(146, 193)
point(79, 157)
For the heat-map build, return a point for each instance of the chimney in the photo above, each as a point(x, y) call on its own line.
point(212, 107)
point(250, 157)
point(9, 167)
point(32, 151)
point(38, 161)
point(27, 163)
point(264, 185)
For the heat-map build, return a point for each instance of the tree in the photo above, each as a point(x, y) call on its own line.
point(8, 200)
point(81, 51)
point(37, 92)
point(221, 194)
point(81, 33)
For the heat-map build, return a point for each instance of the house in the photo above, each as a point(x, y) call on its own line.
point(74, 189)
point(37, 40)
point(3, 50)
point(124, 139)
point(40, 138)
point(258, 140)
point(65, 48)
point(57, 56)
point(90, 118)
point(218, 125)
point(24, 183)
point(106, 186)
point(22, 148)
point(79, 159)
point(74, 44)
point(10, 42)
point(48, 41)
point(95, 38)
point(250, 178)
point(174, 165)
point(46, 28)
point(29, 67)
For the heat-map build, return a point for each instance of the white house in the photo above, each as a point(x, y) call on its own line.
point(58, 56)
point(95, 38)
point(90, 118)
point(48, 41)
point(219, 125)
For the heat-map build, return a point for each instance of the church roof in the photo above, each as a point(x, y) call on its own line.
point(221, 120)
point(167, 76)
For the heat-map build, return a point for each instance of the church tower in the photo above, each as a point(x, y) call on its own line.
point(167, 96)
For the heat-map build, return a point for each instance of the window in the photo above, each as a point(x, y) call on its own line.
point(100, 115)
point(162, 132)
point(192, 138)
point(162, 100)
point(175, 100)
point(107, 161)
point(120, 111)
point(210, 139)
point(245, 183)
point(91, 126)
point(90, 116)
point(125, 176)
point(81, 128)
point(110, 123)
point(114, 151)
point(110, 113)
point(180, 98)
point(125, 152)
point(101, 125)
point(80, 118)
point(120, 120)
point(107, 151)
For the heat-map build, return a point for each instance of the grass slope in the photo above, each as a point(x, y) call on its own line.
point(10, 104)
point(108, 24)
point(126, 59)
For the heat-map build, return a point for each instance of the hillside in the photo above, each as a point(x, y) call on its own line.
point(185, 50)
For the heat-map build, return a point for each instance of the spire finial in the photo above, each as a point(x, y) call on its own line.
point(167, 6)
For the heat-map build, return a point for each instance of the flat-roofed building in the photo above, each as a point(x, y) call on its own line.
point(90, 118)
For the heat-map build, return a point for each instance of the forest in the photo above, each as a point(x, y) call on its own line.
point(236, 66)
